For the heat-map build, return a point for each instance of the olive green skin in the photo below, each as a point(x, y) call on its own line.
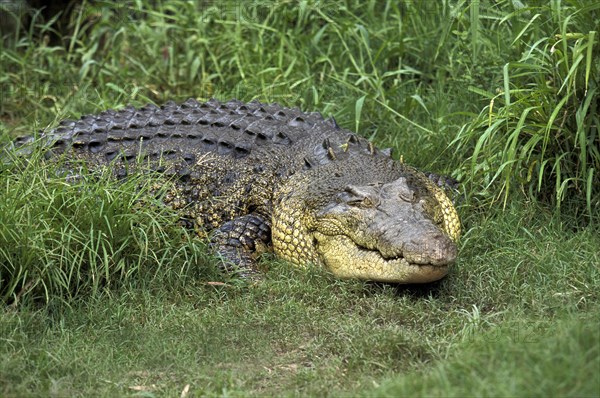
point(256, 177)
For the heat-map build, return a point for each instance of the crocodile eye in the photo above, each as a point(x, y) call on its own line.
point(355, 198)
point(361, 202)
point(346, 197)
point(432, 210)
point(408, 196)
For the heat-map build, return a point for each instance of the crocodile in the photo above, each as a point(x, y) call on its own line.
point(256, 177)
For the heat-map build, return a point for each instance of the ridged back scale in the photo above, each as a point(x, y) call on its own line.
point(228, 157)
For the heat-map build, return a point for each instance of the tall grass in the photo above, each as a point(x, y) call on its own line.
point(539, 132)
point(66, 235)
point(314, 54)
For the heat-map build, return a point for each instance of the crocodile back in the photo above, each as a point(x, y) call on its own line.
point(184, 131)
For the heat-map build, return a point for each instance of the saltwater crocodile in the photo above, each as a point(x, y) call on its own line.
point(261, 176)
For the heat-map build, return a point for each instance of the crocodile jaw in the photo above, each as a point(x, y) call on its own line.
point(347, 260)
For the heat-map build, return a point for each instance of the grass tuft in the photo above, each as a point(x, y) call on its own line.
point(64, 235)
point(539, 133)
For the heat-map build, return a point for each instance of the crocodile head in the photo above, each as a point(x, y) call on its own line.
point(401, 230)
point(391, 232)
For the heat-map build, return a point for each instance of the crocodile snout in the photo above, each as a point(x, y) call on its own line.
point(420, 245)
point(436, 249)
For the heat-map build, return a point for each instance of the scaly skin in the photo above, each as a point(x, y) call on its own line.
point(258, 176)
point(380, 220)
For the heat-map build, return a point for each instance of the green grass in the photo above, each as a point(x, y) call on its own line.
point(479, 369)
point(540, 131)
point(500, 320)
point(66, 235)
point(107, 296)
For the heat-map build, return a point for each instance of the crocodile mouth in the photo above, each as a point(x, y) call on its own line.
point(346, 259)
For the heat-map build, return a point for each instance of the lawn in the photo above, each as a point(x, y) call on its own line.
point(102, 296)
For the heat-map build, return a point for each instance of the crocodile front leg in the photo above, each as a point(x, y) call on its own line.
point(239, 242)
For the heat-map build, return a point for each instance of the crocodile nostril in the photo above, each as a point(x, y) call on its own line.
point(433, 248)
